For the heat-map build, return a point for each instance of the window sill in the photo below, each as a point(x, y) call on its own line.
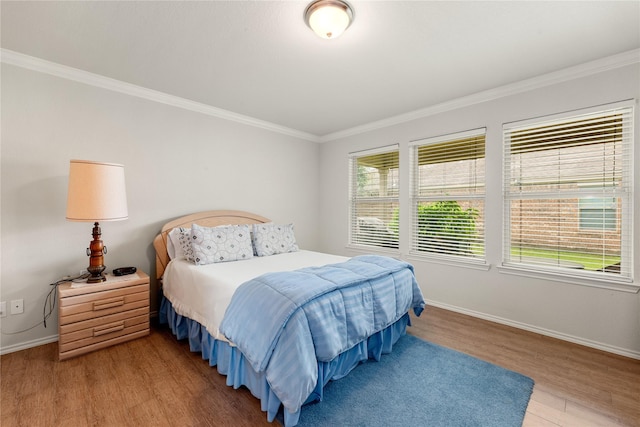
point(475, 264)
point(621, 285)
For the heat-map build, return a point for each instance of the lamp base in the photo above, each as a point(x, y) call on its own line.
point(96, 274)
point(96, 251)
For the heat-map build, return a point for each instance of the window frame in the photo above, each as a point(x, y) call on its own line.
point(598, 279)
point(354, 199)
point(449, 257)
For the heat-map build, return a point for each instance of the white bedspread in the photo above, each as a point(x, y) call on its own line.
point(203, 292)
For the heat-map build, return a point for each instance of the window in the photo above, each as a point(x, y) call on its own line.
point(597, 213)
point(373, 195)
point(568, 194)
point(447, 195)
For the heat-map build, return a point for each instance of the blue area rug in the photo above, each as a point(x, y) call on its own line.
point(423, 384)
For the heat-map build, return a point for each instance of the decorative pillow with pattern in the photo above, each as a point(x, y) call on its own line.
point(184, 244)
point(174, 248)
point(220, 244)
point(272, 239)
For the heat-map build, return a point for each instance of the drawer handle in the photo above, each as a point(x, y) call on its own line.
point(107, 329)
point(102, 305)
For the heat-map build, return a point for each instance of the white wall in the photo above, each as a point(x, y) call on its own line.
point(602, 318)
point(176, 162)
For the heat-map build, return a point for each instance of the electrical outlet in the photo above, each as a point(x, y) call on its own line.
point(3, 309)
point(17, 306)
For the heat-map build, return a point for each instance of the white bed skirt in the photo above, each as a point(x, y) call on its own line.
point(231, 362)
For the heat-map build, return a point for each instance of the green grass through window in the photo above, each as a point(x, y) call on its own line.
point(590, 261)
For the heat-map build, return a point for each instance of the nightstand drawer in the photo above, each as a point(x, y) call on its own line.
point(101, 344)
point(79, 330)
point(84, 307)
point(106, 330)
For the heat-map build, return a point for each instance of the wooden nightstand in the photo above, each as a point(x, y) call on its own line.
point(94, 316)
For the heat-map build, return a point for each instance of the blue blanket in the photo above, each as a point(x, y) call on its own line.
point(284, 323)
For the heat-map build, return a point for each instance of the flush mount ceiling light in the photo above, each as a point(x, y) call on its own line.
point(328, 18)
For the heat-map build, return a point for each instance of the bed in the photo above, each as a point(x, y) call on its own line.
point(251, 318)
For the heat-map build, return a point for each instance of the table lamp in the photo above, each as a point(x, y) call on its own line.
point(96, 193)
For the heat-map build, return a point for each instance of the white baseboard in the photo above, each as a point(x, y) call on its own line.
point(565, 337)
point(542, 331)
point(28, 344)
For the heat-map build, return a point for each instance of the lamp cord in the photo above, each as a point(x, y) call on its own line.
point(50, 302)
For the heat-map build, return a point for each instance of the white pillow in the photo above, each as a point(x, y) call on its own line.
point(272, 239)
point(220, 244)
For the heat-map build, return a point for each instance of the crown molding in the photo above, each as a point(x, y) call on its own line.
point(69, 73)
point(578, 71)
point(43, 66)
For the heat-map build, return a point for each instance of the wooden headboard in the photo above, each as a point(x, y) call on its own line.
point(205, 219)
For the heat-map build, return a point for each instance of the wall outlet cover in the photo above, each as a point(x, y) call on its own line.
point(17, 306)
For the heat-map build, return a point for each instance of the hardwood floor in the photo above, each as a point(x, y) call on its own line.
point(157, 381)
point(574, 385)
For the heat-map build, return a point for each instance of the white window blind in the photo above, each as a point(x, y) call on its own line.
point(568, 194)
point(448, 194)
point(374, 185)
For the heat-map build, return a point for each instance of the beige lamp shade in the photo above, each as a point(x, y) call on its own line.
point(96, 192)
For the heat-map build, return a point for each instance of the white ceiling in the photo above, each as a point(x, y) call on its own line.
point(259, 59)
